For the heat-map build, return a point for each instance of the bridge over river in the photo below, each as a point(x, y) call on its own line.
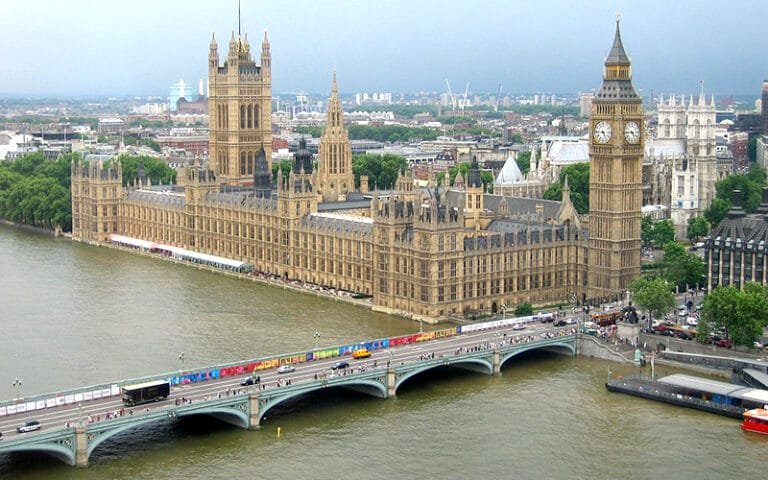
point(75, 422)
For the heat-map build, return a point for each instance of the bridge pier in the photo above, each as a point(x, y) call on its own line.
point(496, 362)
point(81, 447)
point(391, 382)
point(253, 408)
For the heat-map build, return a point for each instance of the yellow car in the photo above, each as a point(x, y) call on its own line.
point(361, 353)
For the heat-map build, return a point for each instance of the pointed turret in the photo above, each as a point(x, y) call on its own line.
point(617, 56)
point(266, 56)
point(617, 76)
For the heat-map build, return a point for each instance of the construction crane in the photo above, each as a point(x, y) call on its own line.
point(498, 98)
point(464, 103)
point(450, 95)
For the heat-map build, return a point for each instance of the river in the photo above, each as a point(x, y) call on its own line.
point(74, 314)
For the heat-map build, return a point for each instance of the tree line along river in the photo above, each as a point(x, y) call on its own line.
point(74, 314)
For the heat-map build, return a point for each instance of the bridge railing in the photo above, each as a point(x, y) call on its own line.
point(242, 367)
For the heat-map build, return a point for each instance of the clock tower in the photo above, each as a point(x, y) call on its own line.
point(615, 179)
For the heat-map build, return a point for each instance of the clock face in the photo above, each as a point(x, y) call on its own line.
point(632, 132)
point(602, 132)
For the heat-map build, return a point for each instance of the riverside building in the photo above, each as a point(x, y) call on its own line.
point(426, 253)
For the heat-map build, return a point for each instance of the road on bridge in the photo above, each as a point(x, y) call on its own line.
point(68, 415)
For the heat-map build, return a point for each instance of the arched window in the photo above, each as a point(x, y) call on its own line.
point(256, 116)
point(250, 116)
point(666, 128)
point(242, 116)
point(250, 163)
point(242, 163)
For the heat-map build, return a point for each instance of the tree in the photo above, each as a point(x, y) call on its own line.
point(646, 231)
point(156, 170)
point(654, 295)
point(697, 227)
point(524, 161)
point(453, 171)
point(578, 182)
point(663, 232)
point(717, 210)
point(523, 310)
point(285, 166)
point(740, 315)
point(680, 266)
point(382, 170)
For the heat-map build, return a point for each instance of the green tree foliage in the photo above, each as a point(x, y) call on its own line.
point(697, 227)
point(453, 171)
point(646, 231)
point(717, 210)
point(516, 138)
point(382, 170)
point(35, 191)
point(654, 295)
point(578, 181)
point(740, 315)
point(524, 161)
point(656, 233)
point(523, 310)
point(750, 184)
point(487, 178)
point(156, 170)
point(663, 232)
point(681, 267)
point(391, 133)
point(314, 132)
point(285, 166)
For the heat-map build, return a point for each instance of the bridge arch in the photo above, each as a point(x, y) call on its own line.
point(560, 347)
point(366, 386)
point(57, 451)
point(229, 415)
point(475, 364)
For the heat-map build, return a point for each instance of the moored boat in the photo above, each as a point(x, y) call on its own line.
point(755, 420)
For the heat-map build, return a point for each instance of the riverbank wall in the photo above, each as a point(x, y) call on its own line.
point(590, 346)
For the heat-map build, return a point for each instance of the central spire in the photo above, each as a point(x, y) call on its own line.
point(617, 56)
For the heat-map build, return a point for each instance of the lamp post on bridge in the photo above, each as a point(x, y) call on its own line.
point(17, 385)
point(316, 336)
point(181, 359)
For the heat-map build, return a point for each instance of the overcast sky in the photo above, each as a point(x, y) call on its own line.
point(139, 47)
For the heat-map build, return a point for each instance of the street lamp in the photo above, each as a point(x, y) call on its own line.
point(316, 336)
point(181, 359)
point(17, 385)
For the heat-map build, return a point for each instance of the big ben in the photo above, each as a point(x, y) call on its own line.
point(615, 179)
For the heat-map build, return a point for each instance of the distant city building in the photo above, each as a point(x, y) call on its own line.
point(585, 103)
point(761, 151)
point(111, 125)
point(764, 106)
point(681, 166)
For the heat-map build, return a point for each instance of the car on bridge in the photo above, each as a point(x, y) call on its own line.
point(29, 426)
point(518, 326)
point(250, 380)
point(340, 365)
point(287, 368)
point(361, 353)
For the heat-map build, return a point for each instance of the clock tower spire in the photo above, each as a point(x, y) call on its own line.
point(615, 179)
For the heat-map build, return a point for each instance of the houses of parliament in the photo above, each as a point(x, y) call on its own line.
point(428, 253)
